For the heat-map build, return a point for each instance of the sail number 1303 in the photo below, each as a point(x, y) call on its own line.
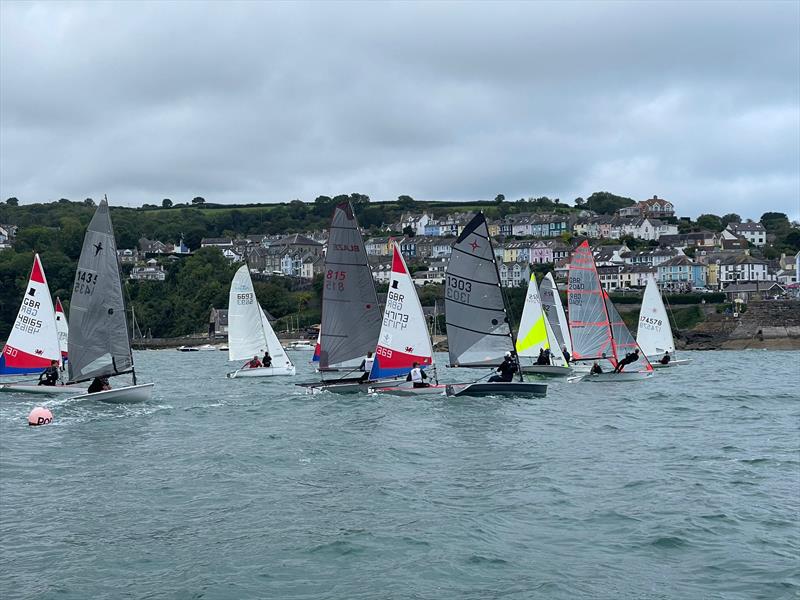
point(458, 289)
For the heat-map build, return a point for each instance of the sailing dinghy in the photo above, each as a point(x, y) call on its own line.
point(34, 341)
point(597, 330)
point(351, 317)
point(99, 345)
point(478, 328)
point(535, 335)
point(249, 331)
point(654, 335)
point(404, 338)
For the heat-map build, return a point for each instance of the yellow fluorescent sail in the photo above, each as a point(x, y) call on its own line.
point(536, 336)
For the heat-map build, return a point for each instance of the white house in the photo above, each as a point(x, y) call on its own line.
point(752, 232)
point(743, 268)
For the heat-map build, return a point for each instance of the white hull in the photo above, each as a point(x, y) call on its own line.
point(673, 363)
point(45, 390)
point(261, 372)
point(187, 349)
point(131, 393)
point(407, 389)
point(548, 370)
point(623, 377)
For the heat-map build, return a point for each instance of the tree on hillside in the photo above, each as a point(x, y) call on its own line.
point(500, 198)
point(607, 203)
point(198, 200)
point(730, 218)
point(775, 221)
point(12, 201)
point(711, 222)
point(89, 202)
point(579, 201)
point(166, 203)
point(405, 202)
point(409, 231)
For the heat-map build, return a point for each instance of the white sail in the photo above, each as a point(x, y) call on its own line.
point(246, 337)
point(33, 341)
point(551, 303)
point(404, 337)
point(535, 333)
point(63, 330)
point(276, 351)
point(654, 335)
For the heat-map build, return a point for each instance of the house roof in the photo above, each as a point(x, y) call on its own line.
point(740, 227)
point(752, 286)
point(679, 261)
point(297, 239)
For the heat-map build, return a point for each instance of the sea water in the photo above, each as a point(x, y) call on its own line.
point(683, 486)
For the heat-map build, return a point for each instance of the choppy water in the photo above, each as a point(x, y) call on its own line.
point(684, 486)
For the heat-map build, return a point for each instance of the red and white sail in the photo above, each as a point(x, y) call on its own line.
point(33, 341)
point(404, 338)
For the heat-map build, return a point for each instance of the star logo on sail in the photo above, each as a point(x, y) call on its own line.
point(475, 245)
point(97, 248)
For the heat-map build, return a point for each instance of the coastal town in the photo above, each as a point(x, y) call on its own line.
point(732, 261)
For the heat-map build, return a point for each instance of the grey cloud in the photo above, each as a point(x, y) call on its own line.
point(696, 102)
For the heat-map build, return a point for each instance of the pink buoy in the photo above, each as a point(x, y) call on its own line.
point(40, 416)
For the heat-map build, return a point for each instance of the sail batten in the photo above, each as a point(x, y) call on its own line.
point(98, 343)
point(351, 317)
point(477, 333)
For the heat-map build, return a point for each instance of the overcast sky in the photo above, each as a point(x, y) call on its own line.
point(698, 103)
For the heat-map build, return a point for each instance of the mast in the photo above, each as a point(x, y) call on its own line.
point(511, 334)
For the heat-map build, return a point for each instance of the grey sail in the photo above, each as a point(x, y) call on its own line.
point(478, 330)
point(98, 340)
point(351, 317)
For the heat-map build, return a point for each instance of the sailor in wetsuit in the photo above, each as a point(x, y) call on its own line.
point(366, 366)
point(506, 369)
point(666, 358)
point(629, 358)
point(50, 375)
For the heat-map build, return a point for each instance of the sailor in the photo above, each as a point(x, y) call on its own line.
point(252, 364)
point(629, 358)
point(541, 360)
point(99, 384)
point(666, 358)
point(366, 366)
point(506, 370)
point(267, 360)
point(417, 376)
point(596, 369)
point(548, 356)
point(566, 354)
point(50, 375)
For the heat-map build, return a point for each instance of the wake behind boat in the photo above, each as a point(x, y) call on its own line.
point(99, 346)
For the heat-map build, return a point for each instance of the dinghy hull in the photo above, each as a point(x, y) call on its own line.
point(43, 390)
point(128, 394)
point(261, 372)
point(547, 370)
point(409, 390)
point(677, 362)
point(500, 388)
point(623, 377)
